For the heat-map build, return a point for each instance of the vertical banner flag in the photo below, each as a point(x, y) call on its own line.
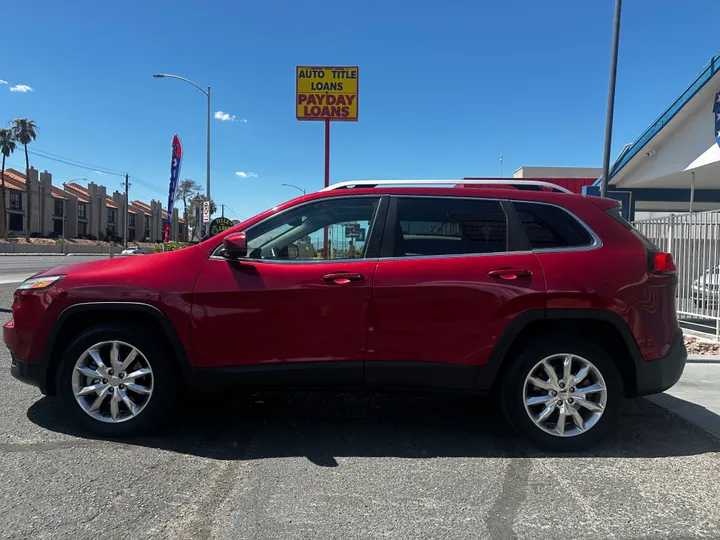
point(716, 112)
point(174, 175)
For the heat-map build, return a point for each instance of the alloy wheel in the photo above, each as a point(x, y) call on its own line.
point(112, 381)
point(564, 395)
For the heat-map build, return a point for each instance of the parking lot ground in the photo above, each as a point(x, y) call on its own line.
point(348, 466)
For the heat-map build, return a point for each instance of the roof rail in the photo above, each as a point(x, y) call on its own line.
point(509, 182)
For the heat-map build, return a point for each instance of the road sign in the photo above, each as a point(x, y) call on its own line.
point(327, 93)
point(352, 230)
point(219, 225)
point(206, 211)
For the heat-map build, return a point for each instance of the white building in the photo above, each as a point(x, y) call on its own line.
point(674, 166)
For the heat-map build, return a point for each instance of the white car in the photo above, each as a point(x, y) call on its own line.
point(135, 251)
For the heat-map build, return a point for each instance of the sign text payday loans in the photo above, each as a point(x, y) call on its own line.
point(327, 93)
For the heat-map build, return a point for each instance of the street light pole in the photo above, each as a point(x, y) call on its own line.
point(296, 187)
point(611, 98)
point(207, 151)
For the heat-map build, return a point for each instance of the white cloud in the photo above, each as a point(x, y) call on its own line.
point(21, 88)
point(243, 174)
point(3, 82)
point(242, 120)
point(97, 172)
point(222, 116)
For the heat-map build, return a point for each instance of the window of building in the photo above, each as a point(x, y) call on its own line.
point(132, 220)
point(15, 200)
point(551, 227)
point(299, 233)
point(111, 215)
point(57, 227)
point(58, 207)
point(82, 228)
point(15, 222)
point(82, 210)
point(448, 226)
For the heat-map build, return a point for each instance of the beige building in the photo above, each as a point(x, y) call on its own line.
point(88, 211)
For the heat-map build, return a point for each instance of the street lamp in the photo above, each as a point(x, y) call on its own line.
point(296, 187)
point(166, 75)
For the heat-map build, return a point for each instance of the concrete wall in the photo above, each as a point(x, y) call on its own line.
point(14, 247)
point(156, 221)
point(35, 207)
point(119, 199)
point(47, 207)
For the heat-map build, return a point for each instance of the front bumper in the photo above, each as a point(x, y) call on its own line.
point(33, 373)
point(655, 376)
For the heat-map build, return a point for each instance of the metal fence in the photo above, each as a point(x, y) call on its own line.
point(694, 241)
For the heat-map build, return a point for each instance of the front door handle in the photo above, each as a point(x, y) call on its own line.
point(341, 278)
point(509, 273)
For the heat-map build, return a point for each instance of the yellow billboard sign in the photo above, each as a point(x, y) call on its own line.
point(326, 93)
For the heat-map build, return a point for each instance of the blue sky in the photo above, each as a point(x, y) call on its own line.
point(445, 88)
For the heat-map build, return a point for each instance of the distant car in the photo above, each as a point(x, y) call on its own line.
point(550, 302)
point(135, 251)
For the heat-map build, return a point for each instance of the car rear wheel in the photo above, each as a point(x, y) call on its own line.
point(563, 393)
point(114, 380)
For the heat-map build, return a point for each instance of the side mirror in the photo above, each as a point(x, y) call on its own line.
point(234, 246)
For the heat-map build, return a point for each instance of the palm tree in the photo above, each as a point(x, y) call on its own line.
point(25, 131)
point(186, 189)
point(7, 147)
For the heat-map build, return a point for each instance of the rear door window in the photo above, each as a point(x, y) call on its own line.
point(448, 226)
point(550, 227)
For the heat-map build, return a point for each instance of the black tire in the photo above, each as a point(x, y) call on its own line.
point(512, 387)
point(164, 379)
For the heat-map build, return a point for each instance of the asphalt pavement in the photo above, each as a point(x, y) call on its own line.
point(16, 268)
point(347, 466)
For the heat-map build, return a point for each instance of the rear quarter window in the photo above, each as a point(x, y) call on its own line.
point(617, 216)
point(550, 227)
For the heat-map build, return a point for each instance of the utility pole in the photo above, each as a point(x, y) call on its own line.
point(611, 98)
point(63, 217)
point(223, 210)
point(501, 167)
point(126, 232)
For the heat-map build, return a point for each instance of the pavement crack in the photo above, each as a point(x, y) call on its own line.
point(512, 495)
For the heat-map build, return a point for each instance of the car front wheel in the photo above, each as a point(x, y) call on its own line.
point(563, 394)
point(114, 380)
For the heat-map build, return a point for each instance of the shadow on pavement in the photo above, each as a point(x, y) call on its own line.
point(323, 426)
point(697, 414)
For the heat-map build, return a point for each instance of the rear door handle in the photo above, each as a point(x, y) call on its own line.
point(341, 278)
point(509, 273)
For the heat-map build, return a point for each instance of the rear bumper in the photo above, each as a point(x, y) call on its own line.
point(655, 376)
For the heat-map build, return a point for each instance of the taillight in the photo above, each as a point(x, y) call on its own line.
point(662, 263)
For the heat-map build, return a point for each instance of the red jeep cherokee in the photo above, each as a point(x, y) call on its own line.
point(549, 299)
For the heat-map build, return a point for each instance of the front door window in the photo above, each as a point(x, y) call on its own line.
point(300, 233)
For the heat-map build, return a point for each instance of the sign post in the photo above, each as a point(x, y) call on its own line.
point(329, 94)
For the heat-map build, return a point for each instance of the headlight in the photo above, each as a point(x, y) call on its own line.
point(39, 282)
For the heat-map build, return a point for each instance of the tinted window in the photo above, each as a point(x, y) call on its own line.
point(551, 227)
point(446, 226)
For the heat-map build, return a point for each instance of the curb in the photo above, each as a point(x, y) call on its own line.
point(703, 359)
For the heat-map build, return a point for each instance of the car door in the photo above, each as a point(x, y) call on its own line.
point(285, 304)
point(447, 285)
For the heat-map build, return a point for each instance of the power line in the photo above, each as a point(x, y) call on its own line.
point(49, 155)
point(73, 163)
point(234, 212)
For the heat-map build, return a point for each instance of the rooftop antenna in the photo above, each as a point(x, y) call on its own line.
point(501, 167)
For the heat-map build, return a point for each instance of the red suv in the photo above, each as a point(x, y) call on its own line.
point(548, 300)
